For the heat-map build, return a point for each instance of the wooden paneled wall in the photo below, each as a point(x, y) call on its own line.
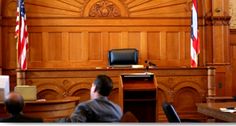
point(71, 34)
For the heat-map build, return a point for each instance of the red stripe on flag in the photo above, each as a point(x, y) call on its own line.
point(195, 3)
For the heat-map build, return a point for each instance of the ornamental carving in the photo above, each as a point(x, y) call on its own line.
point(104, 8)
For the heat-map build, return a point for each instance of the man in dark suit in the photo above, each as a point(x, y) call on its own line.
point(99, 108)
point(14, 104)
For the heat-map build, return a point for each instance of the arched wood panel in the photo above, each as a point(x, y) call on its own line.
point(188, 97)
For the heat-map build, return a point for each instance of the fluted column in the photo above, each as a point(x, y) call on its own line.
point(217, 46)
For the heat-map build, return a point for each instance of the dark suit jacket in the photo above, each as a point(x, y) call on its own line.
point(97, 110)
point(21, 118)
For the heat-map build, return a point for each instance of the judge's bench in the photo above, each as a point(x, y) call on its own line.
point(181, 86)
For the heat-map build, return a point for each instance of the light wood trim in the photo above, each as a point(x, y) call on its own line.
point(73, 22)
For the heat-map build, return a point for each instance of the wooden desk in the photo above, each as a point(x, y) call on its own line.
point(213, 110)
point(220, 99)
point(49, 110)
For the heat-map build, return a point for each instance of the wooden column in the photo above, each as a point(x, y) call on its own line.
point(217, 43)
point(211, 88)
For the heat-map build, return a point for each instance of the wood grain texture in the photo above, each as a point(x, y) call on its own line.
point(55, 49)
point(233, 58)
point(187, 85)
point(82, 8)
point(63, 33)
point(213, 110)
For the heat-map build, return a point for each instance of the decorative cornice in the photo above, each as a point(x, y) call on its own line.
point(104, 8)
point(217, 20)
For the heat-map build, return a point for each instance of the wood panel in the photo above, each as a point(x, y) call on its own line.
point(221, 44)
point(172, 46)
point(233, 59)
point(36, 47)
point(74, 48)
point(54, 47)
point(114, 40)
point(76, 52)
point(9, 49)
point(95, 46)
point(154, 45)
point(181, 86)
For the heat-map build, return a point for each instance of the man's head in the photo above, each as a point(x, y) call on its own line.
point(14, 103)
point(101, 86)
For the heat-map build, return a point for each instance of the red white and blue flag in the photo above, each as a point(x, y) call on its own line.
point(195, 49)
point(22, 35)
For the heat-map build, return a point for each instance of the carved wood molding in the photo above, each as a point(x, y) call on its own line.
point(218, 20)
point(104, 8)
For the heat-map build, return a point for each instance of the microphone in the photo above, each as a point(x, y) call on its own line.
point(147, 65)
point(150, 63)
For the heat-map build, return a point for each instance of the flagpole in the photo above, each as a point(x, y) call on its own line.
point(20, 75)
point(17, 42)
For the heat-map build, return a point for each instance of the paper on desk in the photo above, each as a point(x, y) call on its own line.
point(227, 110)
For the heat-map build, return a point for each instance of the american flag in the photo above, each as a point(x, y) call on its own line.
point(22, 35)
point(195, 50)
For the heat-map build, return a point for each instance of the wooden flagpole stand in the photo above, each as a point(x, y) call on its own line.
point(20, 77)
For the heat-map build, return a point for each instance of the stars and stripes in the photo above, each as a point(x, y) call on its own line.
point(194, 36)
point(22, 35)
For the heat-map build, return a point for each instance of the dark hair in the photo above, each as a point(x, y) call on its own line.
point(103, 84)
point(14, 106)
